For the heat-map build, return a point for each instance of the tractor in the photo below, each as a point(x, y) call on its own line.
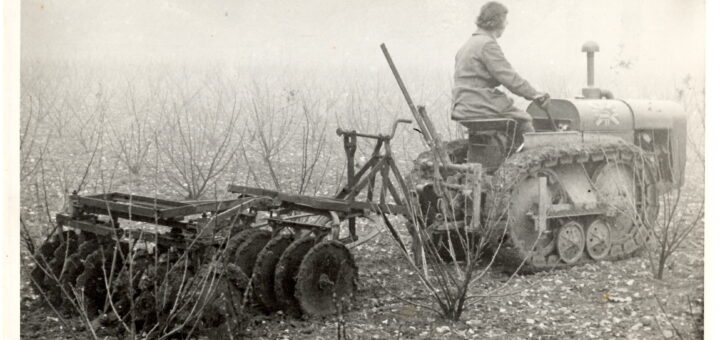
point(579, 189)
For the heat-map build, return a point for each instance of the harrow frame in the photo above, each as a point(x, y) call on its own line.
point(186, 219)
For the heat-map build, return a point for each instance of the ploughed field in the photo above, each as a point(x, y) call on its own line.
point(177, 139)
point(602, 300)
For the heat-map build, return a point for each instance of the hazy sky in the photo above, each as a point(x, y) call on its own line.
point(657, 37)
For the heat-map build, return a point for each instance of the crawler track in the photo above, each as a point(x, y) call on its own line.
point(605, 161)
point(628, 236)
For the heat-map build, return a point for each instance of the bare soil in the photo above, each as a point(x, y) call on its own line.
point(605, 300)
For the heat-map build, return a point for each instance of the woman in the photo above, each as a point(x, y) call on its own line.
point(480, 67)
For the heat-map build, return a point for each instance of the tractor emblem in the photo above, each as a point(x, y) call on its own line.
point(605, 115)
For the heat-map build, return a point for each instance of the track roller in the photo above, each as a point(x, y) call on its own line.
point(570, 242)
point(598, 240)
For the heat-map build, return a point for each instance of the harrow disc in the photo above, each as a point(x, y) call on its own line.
point(152, 281)
point(88, 243)
point(326, 279)
point(236, 240)
point(91, 281)
point(97, 267)
point(286, 273)
point(145, 311)
point(74, 265)
point(55, 267)
point(126, 283)
point(264, 270)
point(43, 256)
point(44, 261)
point(247, 252)
point(64, 250)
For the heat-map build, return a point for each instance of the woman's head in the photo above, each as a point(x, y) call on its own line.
point(492, 17)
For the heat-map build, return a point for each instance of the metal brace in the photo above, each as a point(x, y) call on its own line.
point(543, 205)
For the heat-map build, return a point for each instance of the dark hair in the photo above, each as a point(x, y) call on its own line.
point(492, 16)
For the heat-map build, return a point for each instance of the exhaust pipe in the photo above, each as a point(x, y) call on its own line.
point(591, 91)
point(590, 48)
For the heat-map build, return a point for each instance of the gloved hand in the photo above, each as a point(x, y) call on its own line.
point(543, 100)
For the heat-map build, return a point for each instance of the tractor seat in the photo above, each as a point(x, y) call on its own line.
point(479, 125)
point(489, 141)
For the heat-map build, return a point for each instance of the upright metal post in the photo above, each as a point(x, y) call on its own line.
point(350, 148)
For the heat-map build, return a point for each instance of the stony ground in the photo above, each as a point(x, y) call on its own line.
point(606, 300)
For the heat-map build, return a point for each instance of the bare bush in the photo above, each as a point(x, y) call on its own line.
point(61, 136)
point(677, 219)
point(32, 145)
point(678, 215)
point(290, 137)
point(135, 285)
point(450, 268)
point(132, 142)
point(272, 118)
point(201, 138)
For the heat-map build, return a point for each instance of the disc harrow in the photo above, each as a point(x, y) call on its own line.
point(142, 258)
